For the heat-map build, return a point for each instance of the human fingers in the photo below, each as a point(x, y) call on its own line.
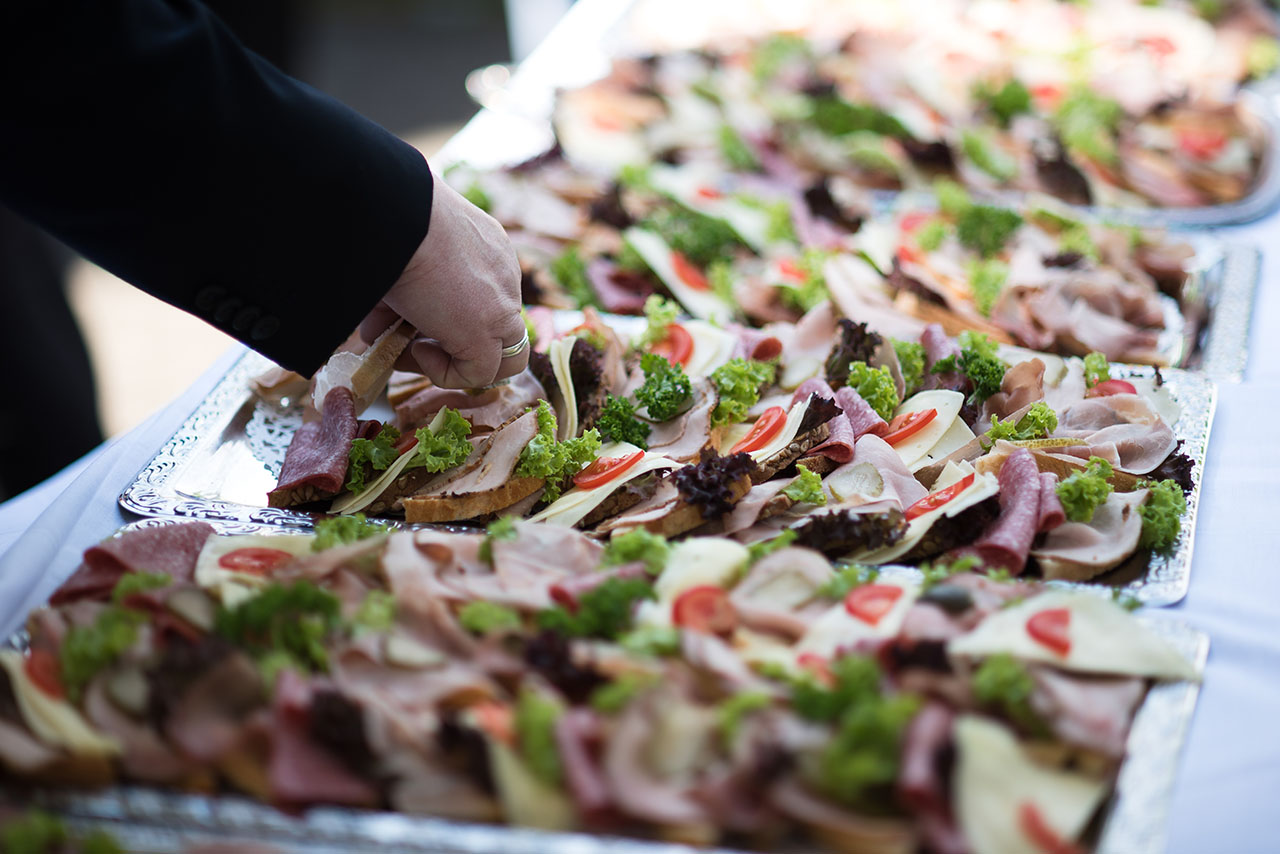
point(449, 370)
point(516, 362)
point(377, 321)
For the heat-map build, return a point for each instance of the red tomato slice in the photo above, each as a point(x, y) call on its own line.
point(1047, 92)
point(765, 428)
point(1159, 45)
point(910, 254)
point(604, 469)
point(934, 500)
point(254, 560)
point(1051, 628)
point(42, 668)
point(1040, 834)
point(908, 424)
point(1106, 388)
point(1202, 143)
point(871, 602)
point(710, 193)
point(677, 347)
point(406, 443)
point(496, 720)
point(705, 609)
point(912, 221)
point(817, 665)
point(791, 270)
point(688, 272)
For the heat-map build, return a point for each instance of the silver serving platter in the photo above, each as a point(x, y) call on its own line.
point(147, 819)
point(223, 460)
point(515, 122)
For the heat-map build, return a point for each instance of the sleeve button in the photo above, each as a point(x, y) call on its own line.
point(227, 310)
point(264, 328)
point(245, 319)
point(208, 298)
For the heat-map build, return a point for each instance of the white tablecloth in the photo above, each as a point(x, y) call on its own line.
point(1230, 773)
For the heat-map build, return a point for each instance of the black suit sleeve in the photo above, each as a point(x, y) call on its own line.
point(145, 136)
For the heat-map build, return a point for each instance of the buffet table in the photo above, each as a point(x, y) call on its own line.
point(1230, 770)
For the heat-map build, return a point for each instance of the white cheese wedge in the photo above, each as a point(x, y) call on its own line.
point(559, 352)
point(712, 347)
point(657, 254)
point(957, 436)
point(697, 562)
point(1160, 399)
point(756, 649)
point(784, 437)
point(55, 722)
point(996, 783)
point(526, 800)
point(837, 629)
point(878, 241)
point(983, 487)
point(574, 506)
point(231, 586)
point(1105, 638)
point(948, 403)
point(687, 185)
point(349, 503)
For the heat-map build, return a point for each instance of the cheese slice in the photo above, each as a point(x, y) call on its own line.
point(231, 586)
point(957, 436)
point(686, 183)
point(837, 629)
point(786, 435)
point(349, 503)
point(1105, 638)
point(877, 240)
point(996, 783)
point(983, 487)
point(696, 562)
point(917, 446)
point(55, 722)
point(712, 347)
point(574, 506)
point(559, 352)
point(657, 254)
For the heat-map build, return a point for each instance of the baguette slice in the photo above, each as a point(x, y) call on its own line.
point(470, 505)
point(366, 373)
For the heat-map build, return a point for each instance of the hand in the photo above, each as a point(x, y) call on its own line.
point(461, 291)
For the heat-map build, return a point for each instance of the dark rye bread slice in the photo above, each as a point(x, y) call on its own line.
point(485, 488)
point(814, 429)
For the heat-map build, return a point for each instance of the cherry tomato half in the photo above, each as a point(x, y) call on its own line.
point(818, 666)
point(1159, 45)
point(254, 560)
point(677, 346)
point(1048, 93)
point(871, 602)
point(934, 500)
point(496, 720)
point(1051, 628)
point(1033, 826)
point(705, 609)
point(912, 221)
point(791, 270)
point(762, 432)
point(689, 273)
point(910, 254)
point(42, 668)
point(604, 469)
point(710, 193)
point(908, 424)
point(1202, 143)
point(1106, 388)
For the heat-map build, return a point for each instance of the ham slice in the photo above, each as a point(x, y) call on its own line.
point(619, 291)
point(1007, 540)
point(145, 754)
point(779, 593)
point(575, 731)
point(486, 410)
point(301, 772)
point(937, 346)
point(488, 488)
point(1081, 550)
point(171, 549)
point(747, 511)
point(857, 418)
point(920, 783)
point(210, 718)
point(683, 437)
point(899, 484)
point(636, 789)
point(1089, 712)
point(315, 466)
point(1051, 513)
point(1023, 385)
point(569, 592)
point(1121, 428)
